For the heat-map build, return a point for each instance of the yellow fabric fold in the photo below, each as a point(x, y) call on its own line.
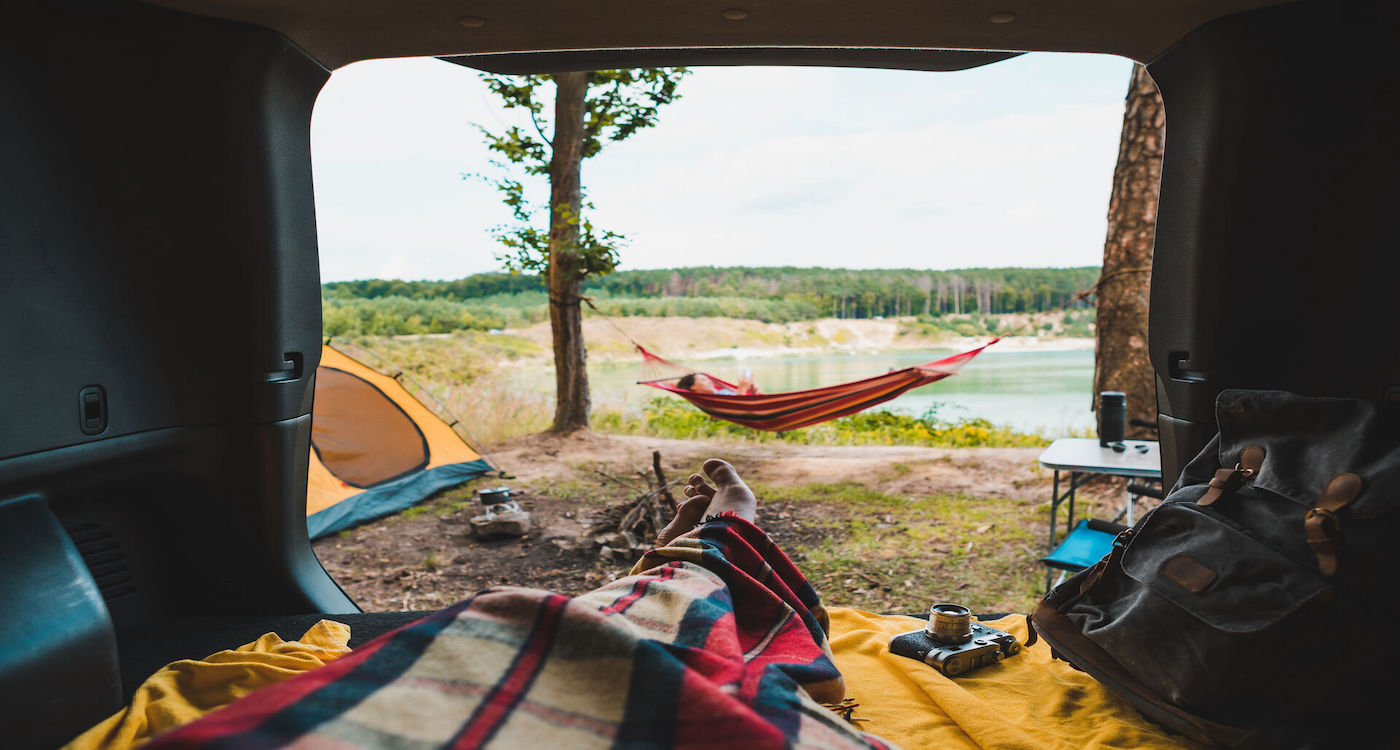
point(1028, 701)
point(185, 690)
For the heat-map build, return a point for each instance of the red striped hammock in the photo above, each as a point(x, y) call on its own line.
point(778, 412)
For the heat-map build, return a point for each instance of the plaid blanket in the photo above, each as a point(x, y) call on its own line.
point(705, 645)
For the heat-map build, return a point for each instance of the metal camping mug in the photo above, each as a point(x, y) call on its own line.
point(494, 496)
point(1113, 417)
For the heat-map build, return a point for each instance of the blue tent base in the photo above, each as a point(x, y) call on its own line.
point(392, 497)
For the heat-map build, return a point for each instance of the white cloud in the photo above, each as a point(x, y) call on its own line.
point(1004, 165)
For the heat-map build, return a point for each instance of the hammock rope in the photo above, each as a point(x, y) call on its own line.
point(1029, 325)
point(779, 412)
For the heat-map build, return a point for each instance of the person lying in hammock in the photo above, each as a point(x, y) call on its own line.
point(702, 383)
point(714, 640)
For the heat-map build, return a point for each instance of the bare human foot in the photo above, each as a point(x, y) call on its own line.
point(728, 495)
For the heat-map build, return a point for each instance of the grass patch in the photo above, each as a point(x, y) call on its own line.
point(671, 417)
point(444, 360)
point(449, 502)
point(463, 371)
point(565, 489)
point(452, 505)
point(886, 553)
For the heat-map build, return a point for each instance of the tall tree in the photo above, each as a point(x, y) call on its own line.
point(924, 283)
point(1121, 359)
point(591, 109)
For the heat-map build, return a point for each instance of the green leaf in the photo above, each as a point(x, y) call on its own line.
point(617, 105)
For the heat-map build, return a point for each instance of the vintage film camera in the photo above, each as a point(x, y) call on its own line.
point(953, 644)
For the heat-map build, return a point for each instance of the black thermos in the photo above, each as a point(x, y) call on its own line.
point(1113, 417)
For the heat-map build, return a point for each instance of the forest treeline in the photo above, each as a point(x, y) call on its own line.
point(775, 295)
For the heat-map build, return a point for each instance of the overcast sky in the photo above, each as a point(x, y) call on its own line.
point(1005, 165)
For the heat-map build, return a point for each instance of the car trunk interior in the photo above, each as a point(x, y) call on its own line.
point(160, 286)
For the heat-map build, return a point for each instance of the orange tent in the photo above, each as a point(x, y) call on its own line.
point(375, 448)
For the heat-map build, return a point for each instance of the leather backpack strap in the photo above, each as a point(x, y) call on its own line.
point(1227, 481)
point(1322, 527)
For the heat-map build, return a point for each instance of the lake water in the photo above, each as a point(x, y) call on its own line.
point(1045, 392)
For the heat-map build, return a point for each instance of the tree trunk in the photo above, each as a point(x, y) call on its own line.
point(1121, 359)
point(565, 284)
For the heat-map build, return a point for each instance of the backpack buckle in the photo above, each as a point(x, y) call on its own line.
point(1321, 525)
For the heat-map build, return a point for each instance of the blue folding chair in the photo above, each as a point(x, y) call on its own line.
point(1085, 545)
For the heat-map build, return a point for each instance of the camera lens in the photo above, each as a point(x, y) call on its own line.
point(949, 623)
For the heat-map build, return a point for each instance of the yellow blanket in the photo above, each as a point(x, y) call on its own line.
point(1028, 701)
point(185, 690)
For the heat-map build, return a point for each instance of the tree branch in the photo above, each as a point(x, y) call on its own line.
point(540, 130)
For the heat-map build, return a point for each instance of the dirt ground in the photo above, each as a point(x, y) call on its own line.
point(876, 527)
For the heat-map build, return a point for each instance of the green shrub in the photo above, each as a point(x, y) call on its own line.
point(398, 316)
point(670, 417)
point(1079, 329)
point(748, 308)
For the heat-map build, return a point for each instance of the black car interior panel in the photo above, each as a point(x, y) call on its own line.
point(1275, 263)
point(160, 293)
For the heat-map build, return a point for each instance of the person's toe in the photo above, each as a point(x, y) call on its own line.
point(698, 486)
point(732, 496)
point(722, 472)
point(687, 515)
point(690, 512)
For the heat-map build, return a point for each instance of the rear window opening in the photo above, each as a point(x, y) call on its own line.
point(1003, 165)
point(810, 225)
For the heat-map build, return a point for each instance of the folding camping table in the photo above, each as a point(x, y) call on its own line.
point(1083, 460)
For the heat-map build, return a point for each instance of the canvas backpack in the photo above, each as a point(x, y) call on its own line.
point(1256, 606)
